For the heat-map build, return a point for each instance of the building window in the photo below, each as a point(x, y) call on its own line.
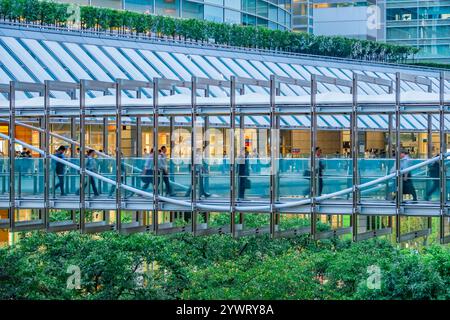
point(232, 16)
point(115, 4)
point(139, 5)
point(262, 8)
point(233, 4)
point(214, 14)
point(218, 2)
point(192, 10)
point(168, 8)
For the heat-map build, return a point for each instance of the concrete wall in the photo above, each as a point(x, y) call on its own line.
point(343, 21)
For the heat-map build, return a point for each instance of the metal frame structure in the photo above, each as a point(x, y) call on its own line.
point(316, 204)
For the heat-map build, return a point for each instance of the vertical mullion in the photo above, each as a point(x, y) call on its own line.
point(354, 140)
point(12, 154)
point(46, 147)
point(429, 152)
point(232, 156)
point(82, 154)
point(273, 155)
point(73, 147)
point(206, 143)
point(443, 148)
point(399, 191)
point(155, 154)
point(313, 143)
point(193, 158)
point(118, 155)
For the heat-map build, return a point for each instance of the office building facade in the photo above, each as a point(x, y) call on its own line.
point(422, 24)
point(273, 14)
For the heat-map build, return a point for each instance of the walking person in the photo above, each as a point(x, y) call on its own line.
point(162, 163)
point(433, 181)
point(407, 184)
point(320, 167)
point(243, 174)
point(147, 173)
point(90, 164)
point(60, 169)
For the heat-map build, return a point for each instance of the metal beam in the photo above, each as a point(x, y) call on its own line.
point(194, 165)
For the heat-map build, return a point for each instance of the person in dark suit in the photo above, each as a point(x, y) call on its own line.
point(320, 167)
point(243, 174)
point(60, 169)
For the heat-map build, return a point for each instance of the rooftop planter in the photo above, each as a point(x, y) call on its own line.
point(120, 21)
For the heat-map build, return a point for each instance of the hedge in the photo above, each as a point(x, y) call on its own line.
point(432, 65)
point(121, 21)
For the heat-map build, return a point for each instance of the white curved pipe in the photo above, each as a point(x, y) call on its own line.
point(238, 208)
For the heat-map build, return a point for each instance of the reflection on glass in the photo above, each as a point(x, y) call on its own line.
point(214, 14)
point(145, 6)
point(192, 10)
point(167, 7)
point(115, 4)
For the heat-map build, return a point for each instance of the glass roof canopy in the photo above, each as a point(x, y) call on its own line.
point(34, 57)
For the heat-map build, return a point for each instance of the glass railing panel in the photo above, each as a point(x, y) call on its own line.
point(106, 167)
point(294, 178)
point(373, 169)
point(253, 178)
point(447, 175)
point(215, 178)
point(179, 176)
point(175, 183)
point(422, 183)
point(4, 176)
point(336, 175)
point(29, 177)
point(64, 180)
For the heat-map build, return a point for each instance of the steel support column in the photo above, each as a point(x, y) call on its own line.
point(193, 156)
point(12, 154)
point(46, 148)
point(429, 152)
point(155, 211)
point(82, 155)
point(206, 153)
point(72, 154)
point(399, 179)
point(354, 144)
point(443, 149)
point(118, 155)
point(313, 143)
point(232, 156)
point(274, 146)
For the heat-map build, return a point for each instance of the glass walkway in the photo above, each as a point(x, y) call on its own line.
point(234, 134)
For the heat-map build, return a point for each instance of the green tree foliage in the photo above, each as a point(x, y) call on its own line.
point(143, 266)
point(105, 19)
